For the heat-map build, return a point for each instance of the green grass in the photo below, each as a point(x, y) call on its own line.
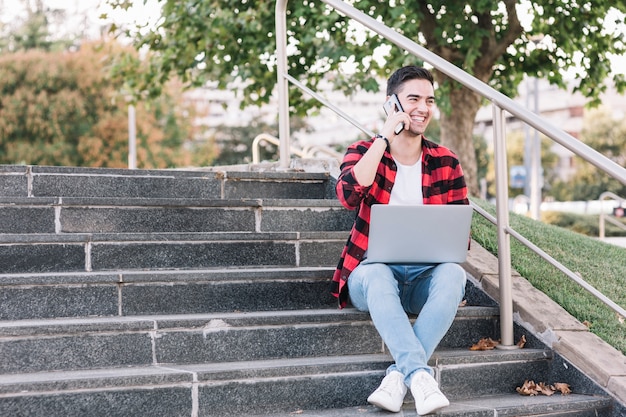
point(600, 264)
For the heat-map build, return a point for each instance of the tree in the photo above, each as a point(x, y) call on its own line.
point(60, 108)
point(227, 40)
point(607, 135)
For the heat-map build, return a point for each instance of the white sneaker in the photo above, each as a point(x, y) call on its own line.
point(426, 393)
point(390, 394)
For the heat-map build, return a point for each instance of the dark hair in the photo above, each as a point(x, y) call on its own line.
point(405, 74)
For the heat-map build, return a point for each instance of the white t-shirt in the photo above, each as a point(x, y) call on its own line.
point(407, 189)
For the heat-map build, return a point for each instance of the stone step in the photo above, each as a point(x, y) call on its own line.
point(47, 253)
point(164, 292)
point(573, 405)
point(42, 181)
point(141, 215)
point(275, 387)
point(140, 292)
point(90, 343)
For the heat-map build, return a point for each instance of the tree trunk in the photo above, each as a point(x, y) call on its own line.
point(457, 128)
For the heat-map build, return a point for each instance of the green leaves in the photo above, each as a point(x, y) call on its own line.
point(219, 40)
point(223, 41)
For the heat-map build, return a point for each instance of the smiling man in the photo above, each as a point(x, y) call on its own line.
point(400, 166)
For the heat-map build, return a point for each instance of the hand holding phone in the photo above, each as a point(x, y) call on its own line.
point(392, 106)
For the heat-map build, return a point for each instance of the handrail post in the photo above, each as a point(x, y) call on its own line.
point(604, 196)
point(601, 232)
point(504, 239)
point(282, 83)
point(132, 137)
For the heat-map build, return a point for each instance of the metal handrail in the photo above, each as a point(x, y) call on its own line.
point(266, 137)
point(499, 101)
point(307, 152)
point(603, 218)
point(311, 150)
point(328, 104)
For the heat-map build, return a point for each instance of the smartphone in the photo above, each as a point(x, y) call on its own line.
point(392, 106)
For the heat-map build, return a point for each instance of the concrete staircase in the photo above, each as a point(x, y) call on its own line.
point(191, 293)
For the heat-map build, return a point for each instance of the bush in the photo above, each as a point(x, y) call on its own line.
point(63, 108)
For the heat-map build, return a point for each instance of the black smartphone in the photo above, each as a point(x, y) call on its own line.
point(392, 106)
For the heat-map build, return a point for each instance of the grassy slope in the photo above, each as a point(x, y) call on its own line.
point(600, 264)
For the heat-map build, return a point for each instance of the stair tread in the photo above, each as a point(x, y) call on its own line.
point(168, 237)
point(124, 379)
point(101, 375)
point(168, 202)
point(252, 370)
point(483, 406)
point(216, 274)
point(202, 321)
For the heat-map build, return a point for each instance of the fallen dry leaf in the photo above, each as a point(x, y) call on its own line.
point(485, 344)
point(620, 318)
point(530, 388)
point(587, 324)
point(463, 303)
point(545, 389)
point(522, 342)
point(563, 388)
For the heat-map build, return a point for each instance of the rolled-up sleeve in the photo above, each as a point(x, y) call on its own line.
point(349, 192)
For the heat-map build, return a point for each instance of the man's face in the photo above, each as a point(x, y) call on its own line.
point(418, 101)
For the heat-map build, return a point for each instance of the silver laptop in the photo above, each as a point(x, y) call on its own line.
point(419, 234)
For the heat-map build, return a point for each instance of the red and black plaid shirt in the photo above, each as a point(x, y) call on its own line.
point(442, 183)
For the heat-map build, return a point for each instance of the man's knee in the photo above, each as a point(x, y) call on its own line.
point(370, 280)
point(452, 276)
point(371, 274)
point(452, 271)
point(376, 277)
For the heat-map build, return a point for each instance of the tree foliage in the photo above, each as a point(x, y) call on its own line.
point(61, 108)
point(222, 40)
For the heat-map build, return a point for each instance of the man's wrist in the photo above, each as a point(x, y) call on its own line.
point(379, 136)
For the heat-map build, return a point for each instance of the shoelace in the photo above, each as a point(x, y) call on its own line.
point(389, 385)
point(427, 387)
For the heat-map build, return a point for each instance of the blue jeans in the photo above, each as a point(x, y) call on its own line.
point(390, 291)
